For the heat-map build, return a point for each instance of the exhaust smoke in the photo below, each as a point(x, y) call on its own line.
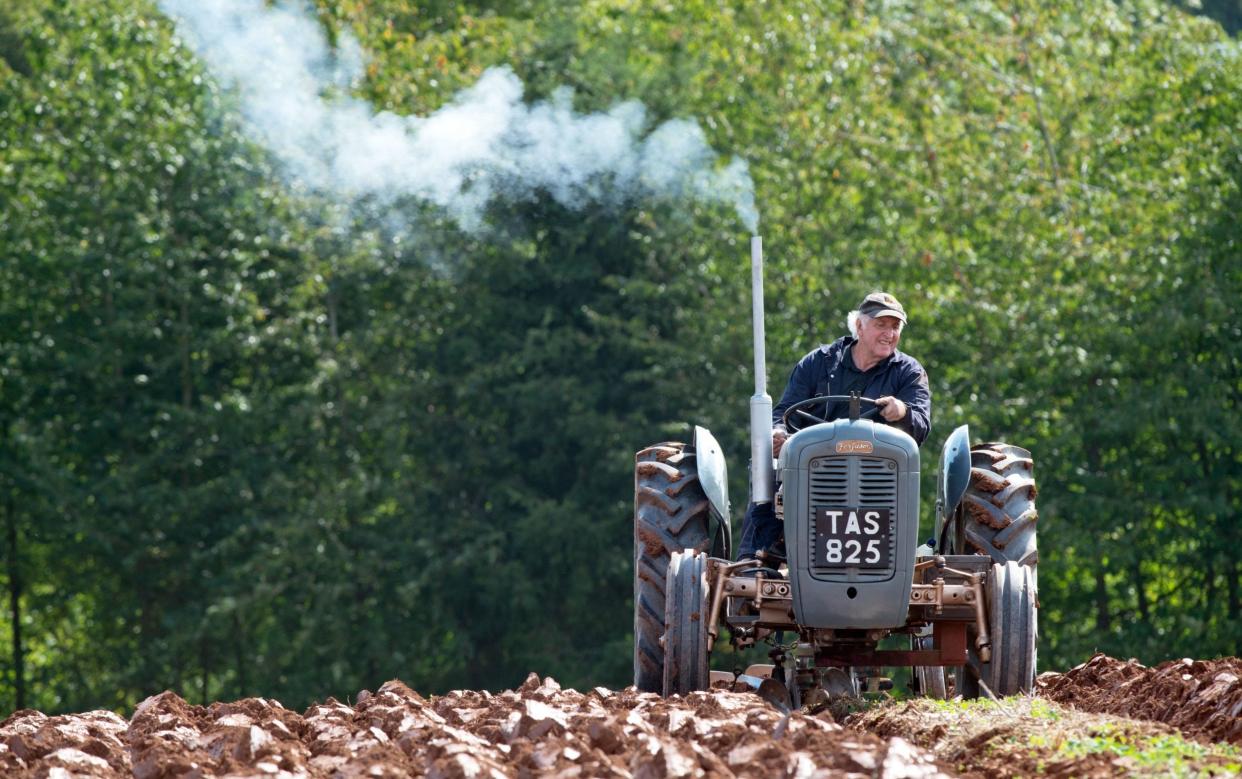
point(487, 144)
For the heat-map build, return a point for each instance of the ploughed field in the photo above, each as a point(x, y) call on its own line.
point(1104, 718)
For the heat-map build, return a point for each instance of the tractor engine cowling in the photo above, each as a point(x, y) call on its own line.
point(851, 506)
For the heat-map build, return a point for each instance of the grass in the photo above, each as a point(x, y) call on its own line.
point(1027, 736)
point(1154, 755)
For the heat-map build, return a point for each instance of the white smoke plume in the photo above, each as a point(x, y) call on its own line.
point(487, 144)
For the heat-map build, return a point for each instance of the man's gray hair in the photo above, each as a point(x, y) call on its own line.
point(851, 321)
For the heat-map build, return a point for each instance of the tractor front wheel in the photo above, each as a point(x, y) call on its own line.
point(1013, 619)
point(686, 642)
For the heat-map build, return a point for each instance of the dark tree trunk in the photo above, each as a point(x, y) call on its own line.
point(1209, 588)
point(203, 661)
point(239, 657)
point(1232, 573)
point(187, 387)
point(1103, 620)
point(15, 606)
point(1231, 581)
point(1140, 591)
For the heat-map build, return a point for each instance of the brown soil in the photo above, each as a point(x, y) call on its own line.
point(536, 730)
point(543, 730)
point(1201, 698)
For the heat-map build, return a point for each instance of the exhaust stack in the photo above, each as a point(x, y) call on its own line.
point(761, 475)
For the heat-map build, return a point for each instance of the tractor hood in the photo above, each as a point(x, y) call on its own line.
point(851, 507)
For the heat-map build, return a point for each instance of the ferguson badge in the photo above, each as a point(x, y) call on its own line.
point(855, 447)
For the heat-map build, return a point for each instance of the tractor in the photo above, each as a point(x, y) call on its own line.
point(965, 603)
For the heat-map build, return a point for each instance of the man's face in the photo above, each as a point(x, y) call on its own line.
point(879, 337)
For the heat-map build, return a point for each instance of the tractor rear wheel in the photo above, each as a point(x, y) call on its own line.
point(1013, 619)
point(999, 506)
point(670, 514)
point(686, 643)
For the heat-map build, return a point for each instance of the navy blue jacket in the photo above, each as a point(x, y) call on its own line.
point(900, 375)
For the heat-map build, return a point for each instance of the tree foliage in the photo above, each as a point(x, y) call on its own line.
point(252, 445)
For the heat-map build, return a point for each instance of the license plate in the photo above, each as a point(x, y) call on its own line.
point(852, 538)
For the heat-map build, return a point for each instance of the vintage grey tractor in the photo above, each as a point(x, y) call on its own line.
point(854, 573)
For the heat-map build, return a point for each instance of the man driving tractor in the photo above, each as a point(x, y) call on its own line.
point(867, 362)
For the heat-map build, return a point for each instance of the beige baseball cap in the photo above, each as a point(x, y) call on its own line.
point(882, 304)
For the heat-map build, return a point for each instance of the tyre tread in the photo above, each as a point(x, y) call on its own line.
point(998, 509)
point(685, 638)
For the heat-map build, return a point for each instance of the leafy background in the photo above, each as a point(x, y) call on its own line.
point(249, 445)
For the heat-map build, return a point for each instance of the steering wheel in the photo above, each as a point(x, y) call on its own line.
point(796, 418)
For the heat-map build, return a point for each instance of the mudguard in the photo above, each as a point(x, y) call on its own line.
point(713, 474)
point(954, 475)
point(714, 478)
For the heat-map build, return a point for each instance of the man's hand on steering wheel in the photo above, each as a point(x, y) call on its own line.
point(891, 408)
point(779, 436)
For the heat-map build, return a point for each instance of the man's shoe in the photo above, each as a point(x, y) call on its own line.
point(768, 572)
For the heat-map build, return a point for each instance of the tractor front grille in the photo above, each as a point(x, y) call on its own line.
point(851, 481)
point(877, 483)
